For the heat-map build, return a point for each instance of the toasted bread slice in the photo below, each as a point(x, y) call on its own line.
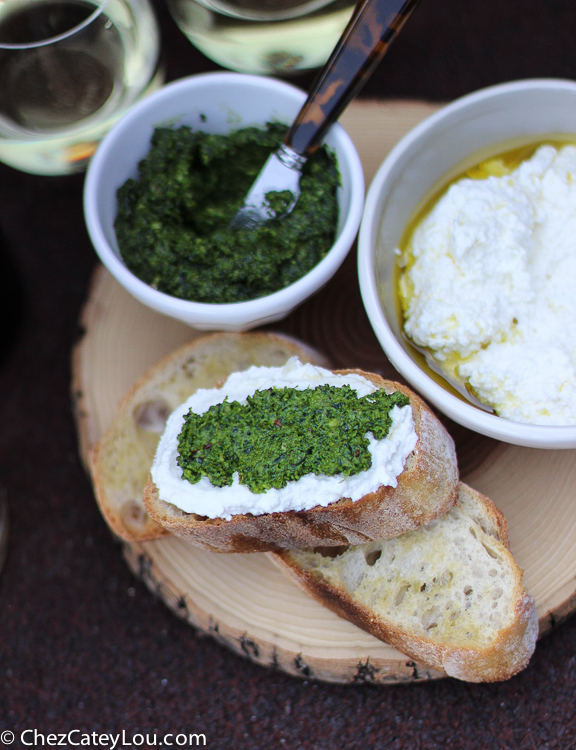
point(120, 462)
point(426, 489)
point(449, 594)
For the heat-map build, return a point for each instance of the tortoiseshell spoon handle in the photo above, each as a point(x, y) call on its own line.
point(365, 40)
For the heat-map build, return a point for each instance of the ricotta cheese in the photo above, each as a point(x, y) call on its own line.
point(388, 455)
point(489, 288)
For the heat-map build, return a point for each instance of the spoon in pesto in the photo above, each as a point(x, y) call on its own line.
point(372, 28)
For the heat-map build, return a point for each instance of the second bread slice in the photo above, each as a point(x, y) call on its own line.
point(449, 594)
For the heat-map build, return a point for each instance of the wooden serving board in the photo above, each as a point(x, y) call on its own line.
point(243, 600)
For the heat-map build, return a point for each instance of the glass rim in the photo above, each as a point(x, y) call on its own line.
point(99, 7)
point(251, 14)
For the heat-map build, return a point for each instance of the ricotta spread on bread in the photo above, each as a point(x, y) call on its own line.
point(489, 287)
point(388, 455)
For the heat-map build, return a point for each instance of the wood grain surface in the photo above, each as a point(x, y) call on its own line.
point(243, 600)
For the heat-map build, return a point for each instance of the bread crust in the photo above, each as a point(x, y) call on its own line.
point(426, 489)
point(504, 657)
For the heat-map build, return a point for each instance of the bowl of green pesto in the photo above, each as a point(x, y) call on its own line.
point(167, 179)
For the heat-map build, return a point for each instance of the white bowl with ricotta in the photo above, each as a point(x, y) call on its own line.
point(492, 262)
point(215, 103)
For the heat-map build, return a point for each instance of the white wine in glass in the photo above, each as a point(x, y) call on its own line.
point(68, 70)
point(269, 37)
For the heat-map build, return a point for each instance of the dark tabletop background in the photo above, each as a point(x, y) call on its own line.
point(83, 644)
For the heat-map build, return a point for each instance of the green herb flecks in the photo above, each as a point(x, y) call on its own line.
point(173, 221)
point(281, 434)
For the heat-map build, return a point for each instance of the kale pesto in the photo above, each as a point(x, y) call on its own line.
point(281, 434)
point(172, 222)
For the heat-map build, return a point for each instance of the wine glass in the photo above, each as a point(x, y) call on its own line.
point(68, 70)
point(266, 37)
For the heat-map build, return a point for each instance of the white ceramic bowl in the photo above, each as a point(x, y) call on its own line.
point(484, 122)
point(216, 103)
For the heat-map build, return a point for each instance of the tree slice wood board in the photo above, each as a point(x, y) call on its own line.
point(244, 601)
